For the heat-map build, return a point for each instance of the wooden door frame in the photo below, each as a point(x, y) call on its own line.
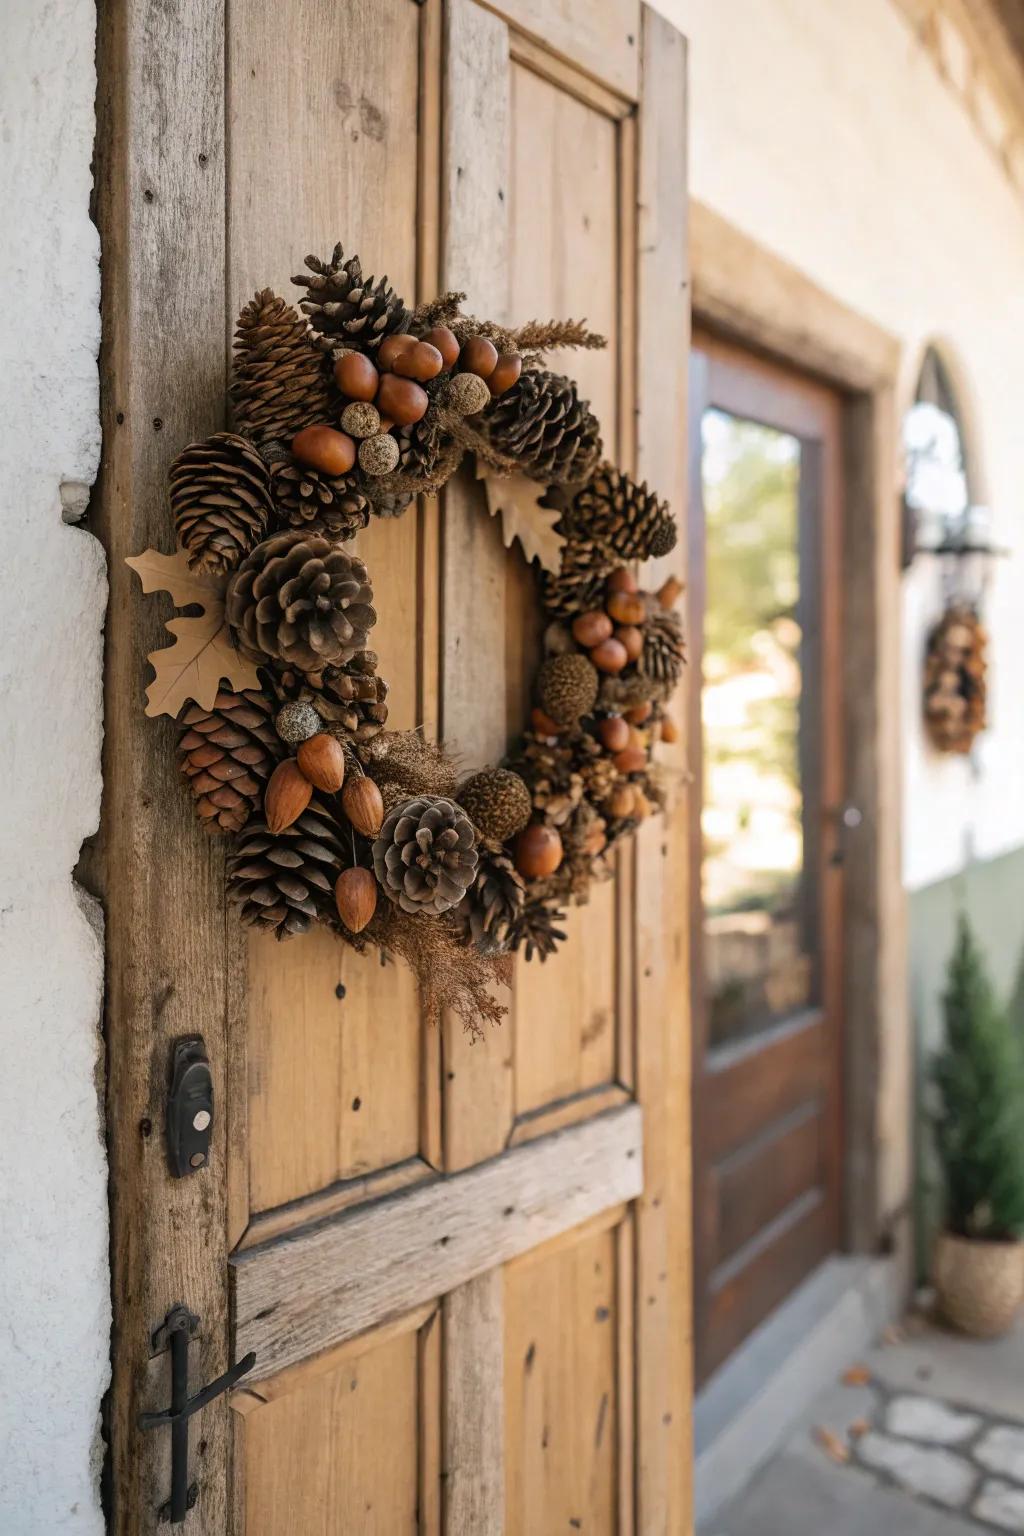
point(747, 294)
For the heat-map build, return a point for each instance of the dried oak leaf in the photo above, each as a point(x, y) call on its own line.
point(517, 500)
point(202, 654)
point(831, 1444)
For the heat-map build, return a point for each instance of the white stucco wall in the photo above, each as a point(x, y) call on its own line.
point(826, 133)
point(54, 1289)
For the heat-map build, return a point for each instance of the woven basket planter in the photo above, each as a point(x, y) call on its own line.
point(980, 1285)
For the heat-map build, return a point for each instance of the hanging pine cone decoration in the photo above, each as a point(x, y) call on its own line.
point(284, 881)
point(346, 308)
point(301, 601)
point(425, 857)
point(220, 498)
point(664, 653)
point(535, 929)
point(494, 900)
point(316, 502)
point(279, 380)
point(955, 680)
point(542, 423)
point(227, 753)
point(623, 519)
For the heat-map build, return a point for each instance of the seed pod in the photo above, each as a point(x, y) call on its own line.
point(538, 851)
point(591, 628)
point(325, 449)
point(446, 342)
point(363, 804)
point(632, 760)
point(392, 347)
point(379, 455)
point(355, 893)
point(613, 733)
point(422, 362)
point(627, 607)
point(288, 794)
point(621, 580)
point(401, 399)
point(356, 376)
point(322, 760)
point(506, 373)
point(361, 419)
point(479, 356)
point(609, 656)
point(467, 393)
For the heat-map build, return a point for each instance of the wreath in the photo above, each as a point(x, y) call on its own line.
point(344, 413)
point(955, 676)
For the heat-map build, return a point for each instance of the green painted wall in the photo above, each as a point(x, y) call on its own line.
point(992, 894)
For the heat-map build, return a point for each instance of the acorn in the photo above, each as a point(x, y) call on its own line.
point(363, 804)
point(543, 724)
point(497, 801)
point(355, 893)
point(422, 362)
point(334, 453)
point(322, 760)
point(392, 347)
point(613, 733)
point(356, 376)
point(631, 760)
point(627, 607)
point(632, 638)
point(401, 399)
point(642, 807)
point(670, 591)
point(669, 730)
point(639, 712)
point(288, 794)
point(361, 419)
point(505, 373)
point(637, 739)
point(446, 342)
point(609, 656)
point(538, 851)
point(478, 356)
point(379, 455)
point(567, 687)
point(620, 803)
point(591, 628)
point(621, 580)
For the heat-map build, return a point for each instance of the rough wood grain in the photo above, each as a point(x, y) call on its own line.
point(600, 38)
point(474, 1406)
point(307, 1292)
point(163, 383)
point(663, 1219)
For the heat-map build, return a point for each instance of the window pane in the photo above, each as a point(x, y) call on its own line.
point(757, 964)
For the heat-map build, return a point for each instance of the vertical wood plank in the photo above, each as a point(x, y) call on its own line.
point(663, 1217)
point(474, 257)
point(160, 186)
point(474, 1418)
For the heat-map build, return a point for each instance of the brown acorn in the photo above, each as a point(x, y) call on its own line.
point(288, 794)
point(543, 724)
point(609, 656)
point(621, 580)
point(401, 399)
point(627, 607)
point(639, 712)
point(446, 342)
point(356, 376)
point(325, 449)
point(322, 760)
point(538, 851)
point(478, 356)
point(392, 347)
point(632, 638)
point(421, 362)
point(614, 733)
point(631, 760)
point(505, 373)
point(363, 804)
point(591, 628)
point(669, 730)
point(670, 592)
point(622, 801)
point(642, 807)
point(355, 892)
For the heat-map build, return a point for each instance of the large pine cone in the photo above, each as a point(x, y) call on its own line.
point(227, 753)
point(284, 881)
point(280, 381)
point(351, 700)
point(494, 900)
point(579, 586)
point(345, 307)
point(543, 424)
point(301, 601)
point(317, 503)
point(664, 652)
point(220, 499)
point(624, 519)
point(425, 857)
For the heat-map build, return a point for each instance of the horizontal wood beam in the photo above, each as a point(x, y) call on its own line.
point(306, 1292)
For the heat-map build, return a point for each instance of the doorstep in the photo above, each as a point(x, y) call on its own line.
point(751, 1404)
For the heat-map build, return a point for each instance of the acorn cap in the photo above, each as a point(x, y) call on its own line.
point(498, 802)
point(567, 687)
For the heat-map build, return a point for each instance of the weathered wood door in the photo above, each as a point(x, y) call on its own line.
point(464, 1268)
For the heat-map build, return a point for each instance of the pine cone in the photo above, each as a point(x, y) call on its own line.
point(280, 379)
point(285, 881)
point(220, 498)
point(317, 503)
point(955, 681)
point(664, 652)
point(388, 503)
point(425, 857)
point(543, 424)
point(227, 753)
point(493, 901)
point(300, 600)
point(534, 930)
point(579, 586)
point(418, 448)
point(350, 700)
point(345, 307)
point(623, 519)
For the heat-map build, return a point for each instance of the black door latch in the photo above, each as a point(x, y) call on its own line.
point(175, 1332)
point(189, 1107)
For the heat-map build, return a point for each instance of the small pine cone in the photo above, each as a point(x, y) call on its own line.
point(301, 601)
point(220, 499)
point(346, 308)
point(494, 900)
point(419, 446)
point(664, 653)
point(425, 858)
point(227, 753)
point(388, 503)
point(622, 518)
point(579, 586)
point(534, 930)
point(284, 881)
point(317, 503)
point(280, 380)
point(350, 700)
point(543, 424)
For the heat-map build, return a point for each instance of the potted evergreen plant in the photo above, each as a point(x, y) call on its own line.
point(979, 1135)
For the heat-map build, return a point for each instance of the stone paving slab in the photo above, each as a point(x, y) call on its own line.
point(1001, 1449)
point(1001, 1504)
point(931, 1471)
point(925, 1418)
point(983, 1374)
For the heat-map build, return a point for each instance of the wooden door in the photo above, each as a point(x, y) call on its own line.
point(464, 1269)
point(766, 816)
